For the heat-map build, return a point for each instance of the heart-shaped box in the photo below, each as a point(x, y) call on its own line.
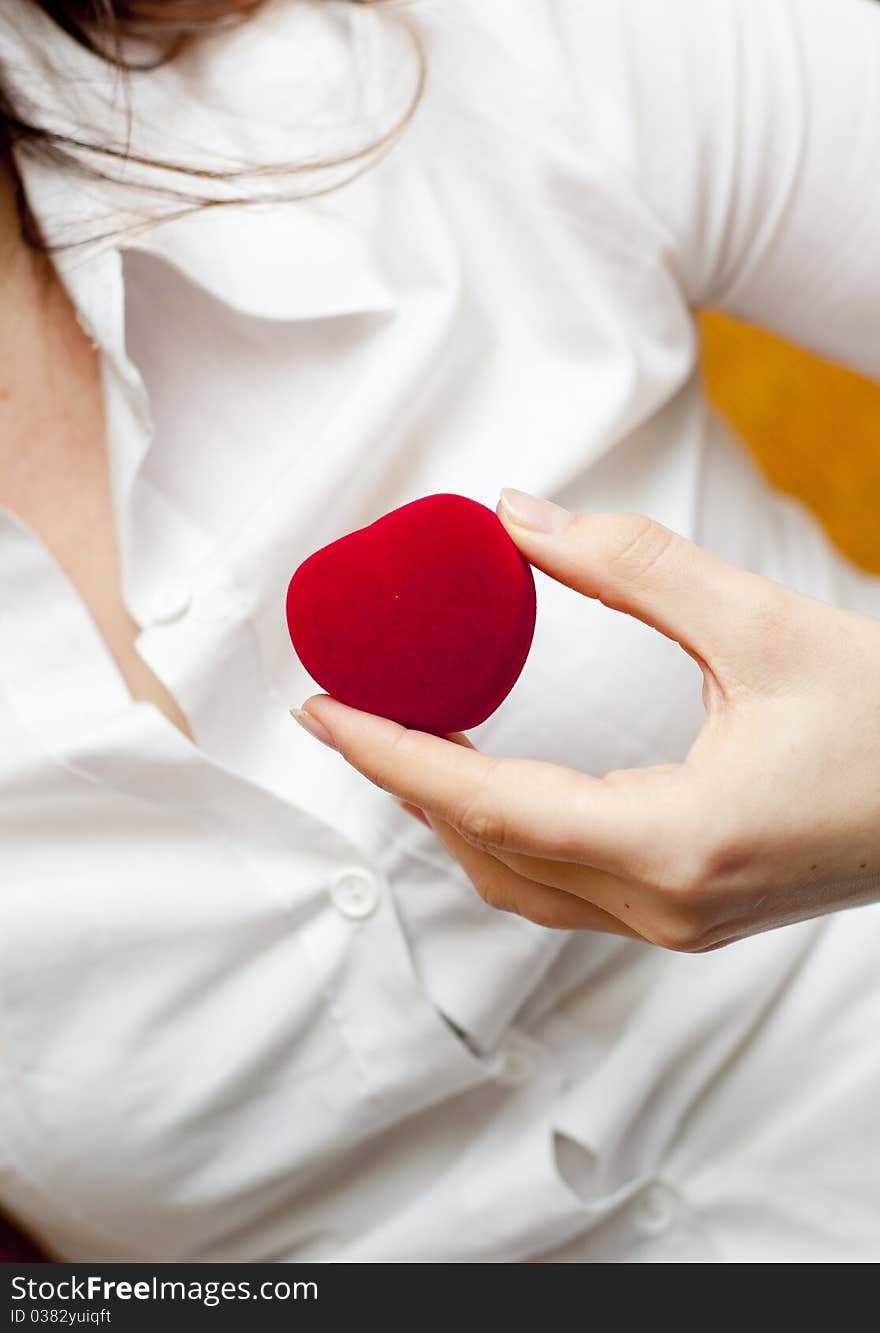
point(425, 616)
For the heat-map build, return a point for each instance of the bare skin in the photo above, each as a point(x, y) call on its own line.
point(53, 458)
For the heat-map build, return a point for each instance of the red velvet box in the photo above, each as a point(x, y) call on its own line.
point(425, 616)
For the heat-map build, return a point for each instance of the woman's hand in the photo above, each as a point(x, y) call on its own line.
point(774, 816)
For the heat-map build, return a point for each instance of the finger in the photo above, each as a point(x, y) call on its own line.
point(634, 903)
point(413, 810)
point(505, 890)
point(459, 738)
point(523, 805)
point(635, 565)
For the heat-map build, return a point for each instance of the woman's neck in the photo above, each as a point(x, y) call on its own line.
point(53, 461)
point(13, 246)
point(24, 275)
point(10, 231)
point(50, 409)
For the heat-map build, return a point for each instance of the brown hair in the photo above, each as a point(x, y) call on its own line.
point(164, 28)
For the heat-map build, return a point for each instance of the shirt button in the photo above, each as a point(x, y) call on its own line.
point(656, 1209)
point(355, 893)
point(513, 1064)
point(170, 603)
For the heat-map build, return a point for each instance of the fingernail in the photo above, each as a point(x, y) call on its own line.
point(528, 511)
point(313, 726)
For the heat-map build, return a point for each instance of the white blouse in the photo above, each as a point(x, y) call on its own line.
point(249, 1010)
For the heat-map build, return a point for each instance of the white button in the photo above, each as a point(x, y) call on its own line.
point(656, 1209)
point(170, 603)
point(355, 892)
point(513, 1064)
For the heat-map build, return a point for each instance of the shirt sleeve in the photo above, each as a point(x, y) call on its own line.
point(751, 130)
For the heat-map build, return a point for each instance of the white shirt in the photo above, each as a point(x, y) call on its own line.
point(250, 1010)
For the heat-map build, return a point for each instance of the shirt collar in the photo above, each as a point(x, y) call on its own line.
point(298, 82)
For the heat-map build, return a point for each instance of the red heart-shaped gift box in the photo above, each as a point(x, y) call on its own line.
point(425, 616)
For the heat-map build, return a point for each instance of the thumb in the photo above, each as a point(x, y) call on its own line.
point(635, 565)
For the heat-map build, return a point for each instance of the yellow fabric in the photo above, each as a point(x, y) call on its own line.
point(814, 427)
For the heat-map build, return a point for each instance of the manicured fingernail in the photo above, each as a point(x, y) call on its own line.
point(313, 726)
point(528, 511)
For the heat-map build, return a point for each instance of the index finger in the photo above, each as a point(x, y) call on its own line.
point(520, 805)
